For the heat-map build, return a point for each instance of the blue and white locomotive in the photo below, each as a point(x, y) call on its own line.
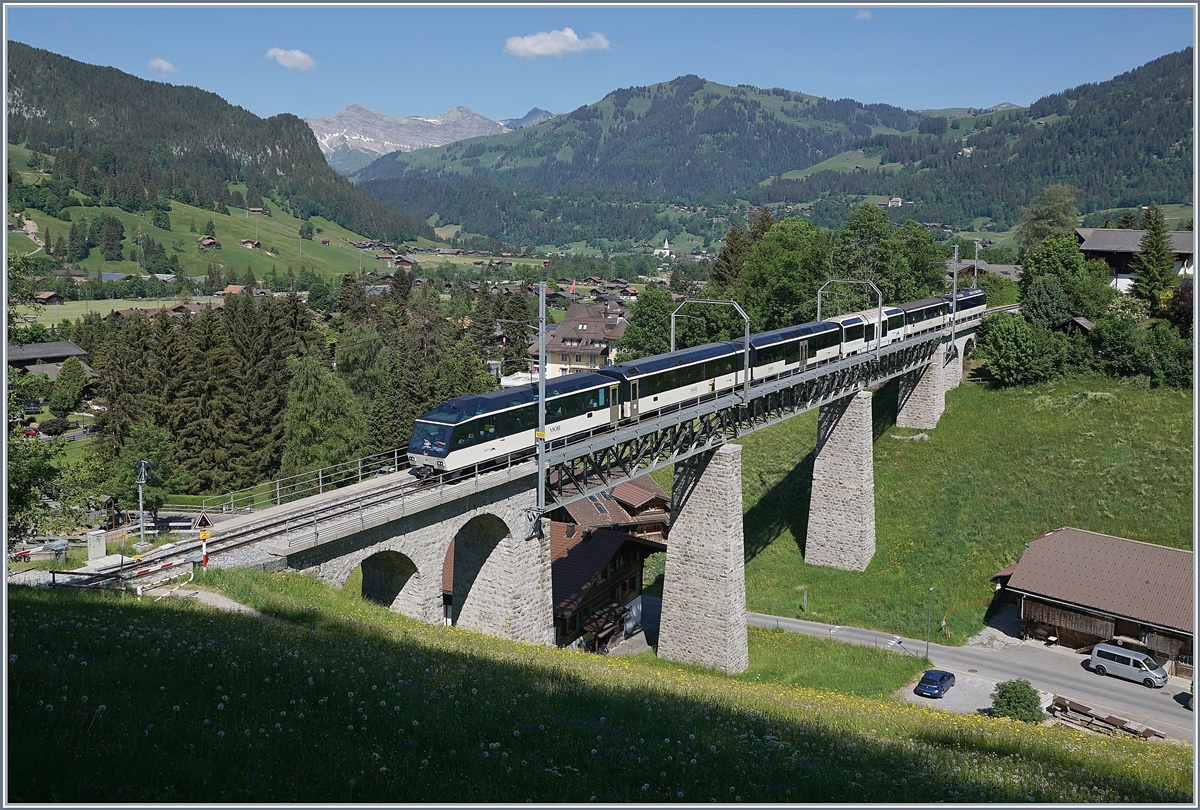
point(499, 426)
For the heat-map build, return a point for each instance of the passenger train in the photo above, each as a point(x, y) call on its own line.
point(500, 425)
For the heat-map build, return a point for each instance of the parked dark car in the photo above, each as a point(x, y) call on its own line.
point(935, 683)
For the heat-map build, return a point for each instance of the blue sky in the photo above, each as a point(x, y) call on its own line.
point(502, 61)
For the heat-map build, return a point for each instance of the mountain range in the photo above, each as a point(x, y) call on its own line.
point(138, 144)
point(356, 136)
point(1120, 143)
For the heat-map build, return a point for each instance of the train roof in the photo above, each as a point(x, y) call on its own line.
point(465, 407)
point(922, 304)
point(763, 339)
point(662, 362)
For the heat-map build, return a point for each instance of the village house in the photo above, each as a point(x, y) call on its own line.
point(598, 548)
point(232, 289)
point(1078, 588)
point(37, 353)
point(48, 298)
point(585, 340)
point(250, 243)
point(1116, 247)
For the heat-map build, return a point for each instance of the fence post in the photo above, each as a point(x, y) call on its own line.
point(232, 507)
point(396, 458)
point(277, 492)
point(361, 525)
point(360, 471)
point(320, 482)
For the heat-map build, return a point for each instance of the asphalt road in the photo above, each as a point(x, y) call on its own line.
point(1055, 670)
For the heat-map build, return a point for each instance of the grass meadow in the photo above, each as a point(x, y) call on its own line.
point(339, 700)
point(1002, 467)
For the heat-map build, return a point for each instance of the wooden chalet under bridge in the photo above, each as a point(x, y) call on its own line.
point(1081, 588)
point(598, 547)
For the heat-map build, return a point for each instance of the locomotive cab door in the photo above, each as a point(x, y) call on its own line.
point(633, 399)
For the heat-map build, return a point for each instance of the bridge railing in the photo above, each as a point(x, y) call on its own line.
point(368, 510)
point(313, 482)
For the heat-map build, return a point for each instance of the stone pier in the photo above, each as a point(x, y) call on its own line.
point(841, 515)
point(922, 398)
point(704, 588)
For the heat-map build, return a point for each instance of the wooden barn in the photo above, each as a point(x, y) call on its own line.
point(1081, 588)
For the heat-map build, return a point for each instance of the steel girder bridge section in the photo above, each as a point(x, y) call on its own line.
point(603, 460)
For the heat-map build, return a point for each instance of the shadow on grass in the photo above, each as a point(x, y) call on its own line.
point(785, 506)
point(579, 725)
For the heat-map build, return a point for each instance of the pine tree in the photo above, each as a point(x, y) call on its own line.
point(1128, 221)
point(759, 224)
point(516, 334)
point(732, 257)
point(359, 357)
point(67, 392)
point(210, 419)
point(323, 424)
point(387, 422)
point(1154, 265)
point(230, 276)
point(117, 355)
point(248, 280)
point(213, 282)
point(352, 300)
point(165, 356)
point(110, 239)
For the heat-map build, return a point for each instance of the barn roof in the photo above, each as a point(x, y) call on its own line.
point(1143, 582)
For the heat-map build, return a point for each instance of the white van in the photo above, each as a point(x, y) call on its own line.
point(1127, 664)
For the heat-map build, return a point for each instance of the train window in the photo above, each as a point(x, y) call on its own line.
point(895, 322)
point(852, 333)
point(870, 332)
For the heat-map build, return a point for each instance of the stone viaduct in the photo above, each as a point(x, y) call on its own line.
point(501, 581)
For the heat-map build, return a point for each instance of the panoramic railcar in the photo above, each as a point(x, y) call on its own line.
point(653, 383)
point(971, 305)
point(924, 315)
point(793, 348)
point(473, 429)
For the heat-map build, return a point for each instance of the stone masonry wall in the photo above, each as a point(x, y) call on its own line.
point(510, 596)
point(704, 588)
point(922, 398)
point(841, 515)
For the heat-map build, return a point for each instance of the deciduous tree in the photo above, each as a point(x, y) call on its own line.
point(1051, 213)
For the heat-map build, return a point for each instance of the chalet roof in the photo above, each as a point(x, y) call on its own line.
point(1142, 582)
point(638, 492)
point(232, 289)
point(53, 351)
point(586, 329)
point(51, 370)
point(1125, 240)
point(576, 560)
point(598, 510)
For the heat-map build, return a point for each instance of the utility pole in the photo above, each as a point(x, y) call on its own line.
point(143, 477)
point(928, 620)
point(975, 276)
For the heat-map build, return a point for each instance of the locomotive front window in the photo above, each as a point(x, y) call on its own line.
point(430, 439)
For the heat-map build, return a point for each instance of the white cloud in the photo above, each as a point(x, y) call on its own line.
point(292, 60)
point(162, 66)
point(863, 15)
point(554, 43)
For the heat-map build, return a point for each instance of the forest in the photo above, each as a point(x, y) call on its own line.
point(188, 145)
point(686, 139)
point(1122, 143)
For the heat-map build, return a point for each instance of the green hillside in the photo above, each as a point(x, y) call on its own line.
point(134, 144)
point(338, 700)
point(687, 138)
point(278, 235)
point(1121, 143)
